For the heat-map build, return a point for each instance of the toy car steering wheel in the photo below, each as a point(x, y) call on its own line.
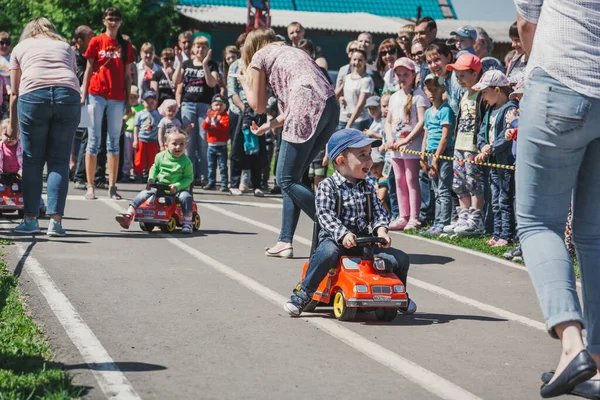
point(369, 240)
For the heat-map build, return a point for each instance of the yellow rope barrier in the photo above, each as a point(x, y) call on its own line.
point(485, 164)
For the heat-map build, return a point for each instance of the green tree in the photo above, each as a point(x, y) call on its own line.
point(154, 21)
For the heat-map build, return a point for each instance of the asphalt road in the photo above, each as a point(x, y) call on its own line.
point(135, 315)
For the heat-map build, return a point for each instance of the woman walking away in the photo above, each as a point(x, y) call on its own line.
point(44, 102)
point(309, 117)
point(107, 80)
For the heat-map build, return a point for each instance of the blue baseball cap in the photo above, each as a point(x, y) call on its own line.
point(348, 139)
point(465, 31)
point(149, 93)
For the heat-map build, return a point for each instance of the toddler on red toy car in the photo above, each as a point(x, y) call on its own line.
point(171, 167)
point(350, 152)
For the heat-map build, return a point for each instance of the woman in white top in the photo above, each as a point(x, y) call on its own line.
point(353, 94)
point(146, 68)
point(387, 54)
point(45, 107)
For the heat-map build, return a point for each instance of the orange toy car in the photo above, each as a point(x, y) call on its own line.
point(11, 197)
point(164, 211)
point(360, 283)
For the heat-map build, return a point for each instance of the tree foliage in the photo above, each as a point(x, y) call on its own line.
point(154, 21)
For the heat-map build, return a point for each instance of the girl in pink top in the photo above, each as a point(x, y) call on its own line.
point(11, 152)
point(309, 114)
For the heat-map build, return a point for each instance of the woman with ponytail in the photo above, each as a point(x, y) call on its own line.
point(404, 128)
point(107, 80)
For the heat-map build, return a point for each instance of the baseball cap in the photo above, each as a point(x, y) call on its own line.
point(492, 78)
point(134, 90)
point(348, 139)
point(519, 89)
point(465, 31)
point(148, 94)
point(373, 101)
point(432, 77)
point(406, 63)
point(465, 62)
point(219, 98)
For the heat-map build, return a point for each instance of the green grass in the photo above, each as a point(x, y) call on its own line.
point(26, 369)
point(478, 244)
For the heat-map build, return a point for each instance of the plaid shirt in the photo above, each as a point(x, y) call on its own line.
point(353, 216)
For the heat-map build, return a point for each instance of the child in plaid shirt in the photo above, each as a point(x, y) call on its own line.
point(350, 152)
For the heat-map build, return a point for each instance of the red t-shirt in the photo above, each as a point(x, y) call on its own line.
point(103, 48)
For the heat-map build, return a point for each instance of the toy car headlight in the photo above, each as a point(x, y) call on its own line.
point(361, 289)
point(15, 187)
point(162, 200)
point(162, 213)
point(140, 211)
point(398, 288)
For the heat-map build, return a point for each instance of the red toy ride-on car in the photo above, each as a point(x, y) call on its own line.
point(11, 196)
point(360, 283)
point(163, 210)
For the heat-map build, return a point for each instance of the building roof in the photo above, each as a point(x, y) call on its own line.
point(437, 9)
point(341, 22)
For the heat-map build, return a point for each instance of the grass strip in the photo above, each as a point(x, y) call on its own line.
point(26, 369)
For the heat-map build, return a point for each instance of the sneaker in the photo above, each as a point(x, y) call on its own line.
point(187, 227)
point(244, 188)
point(55, 229)
point(101, 185)
point(398, 224)
point(124, 179)
point(124, 220)
point(411, 309)
point(433, 231)
point(32, 226)
point(412, 224)
point(463, 215)
point(500, 243)
point(209, 186)
point(258, 193)
point(235, 192)
point(473, 225)
point(276, 190)
point(224, 189)
point(80, 185)
point(514, 253)
point(297, 302)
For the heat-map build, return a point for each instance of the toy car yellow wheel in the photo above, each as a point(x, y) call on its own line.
point(146, 227)
point(170, 226)
point(386, 314)
point(341, 311)
point(196, 220)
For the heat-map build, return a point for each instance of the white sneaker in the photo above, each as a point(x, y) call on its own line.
point(463, 215)
point(473, 225)
point(411, 309)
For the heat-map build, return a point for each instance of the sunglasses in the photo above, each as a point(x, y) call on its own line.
point(169, 58)
point(391, 52)
point(4, 42)
point(113, 19)
point(418, 54)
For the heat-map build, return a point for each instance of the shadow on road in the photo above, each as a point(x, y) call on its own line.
point(124, 366)
point(424, 259)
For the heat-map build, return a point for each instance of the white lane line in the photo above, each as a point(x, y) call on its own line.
point(111, 380)
point(423, 285)
point(428, 380)
point(202, 201)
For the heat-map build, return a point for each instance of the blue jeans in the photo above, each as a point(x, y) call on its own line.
point(183, 197)
point(442, 188)
point(217, 154)
point(503, 193)
point(294, 159)
point(427, 211)
point(328, 252)
point(559, 149)
point(394, 208)
point(197, 148)
point(48, 119)
point(114, 119)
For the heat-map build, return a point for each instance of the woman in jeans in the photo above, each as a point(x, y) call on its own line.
point(196, 79)
point(107, 80)
point(309, 117)
point(558, 164)
point(44, 102)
